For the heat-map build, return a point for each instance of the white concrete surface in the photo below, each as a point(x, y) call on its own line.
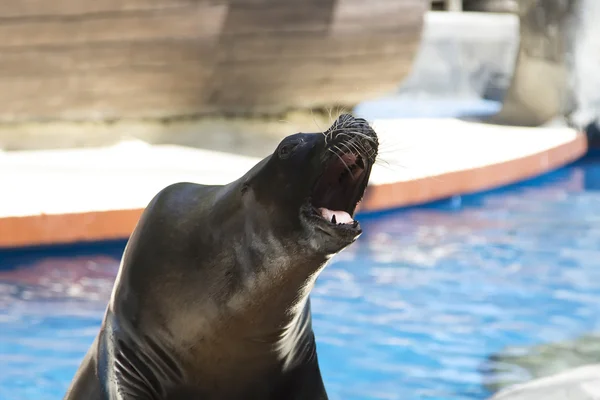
point(126, 176)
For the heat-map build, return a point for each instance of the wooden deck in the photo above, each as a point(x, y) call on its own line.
point(64, 196)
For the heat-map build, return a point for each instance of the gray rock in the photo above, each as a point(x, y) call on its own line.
point(519, 364)
point(556, 72)
point(581, 383)
point(453, 62)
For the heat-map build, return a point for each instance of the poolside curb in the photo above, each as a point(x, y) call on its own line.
point(88, 226)
point(425, 190)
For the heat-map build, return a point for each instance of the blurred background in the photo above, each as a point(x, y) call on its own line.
point(479, 267)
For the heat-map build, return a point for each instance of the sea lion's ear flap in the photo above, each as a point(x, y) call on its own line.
point(245, 187)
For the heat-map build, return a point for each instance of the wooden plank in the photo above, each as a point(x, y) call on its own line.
point(188, 90)
point(255, 84)
point(298, 16)
point(157, 55)
point(61, 61)
point(301, 46)
point(112, 81)
point(179, 76)
point(320, 94)
point(195, 88)
point(105, 94)
point(178, 57)
point(376, 15)
point(176, 100)
point(202, 22)
point(268, 3)
point(311, 69)
point(61, 8)
point(170, 56)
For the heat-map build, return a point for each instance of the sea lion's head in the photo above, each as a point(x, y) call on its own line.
point(313, 182)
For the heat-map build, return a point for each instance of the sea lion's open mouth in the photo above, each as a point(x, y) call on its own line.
point(340, 188)
point(343, 181)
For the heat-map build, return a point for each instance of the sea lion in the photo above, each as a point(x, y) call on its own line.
point(211, 300)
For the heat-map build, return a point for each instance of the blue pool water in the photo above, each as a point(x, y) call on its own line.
point(411, 311)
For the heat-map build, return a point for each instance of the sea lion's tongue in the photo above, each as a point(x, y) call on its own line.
point(341, 217)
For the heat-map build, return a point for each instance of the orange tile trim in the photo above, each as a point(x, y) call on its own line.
point(442, 186)
point(115, 224)
point(44, 229)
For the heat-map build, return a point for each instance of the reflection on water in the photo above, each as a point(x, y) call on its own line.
point(411, 311)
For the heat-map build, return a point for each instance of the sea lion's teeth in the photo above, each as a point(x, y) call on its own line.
point(336, 217)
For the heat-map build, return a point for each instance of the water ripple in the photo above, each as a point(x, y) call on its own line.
point(411, 311)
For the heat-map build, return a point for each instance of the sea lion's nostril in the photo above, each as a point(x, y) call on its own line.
point(367, 145)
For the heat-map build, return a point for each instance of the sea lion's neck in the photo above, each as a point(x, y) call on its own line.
point(275, 269)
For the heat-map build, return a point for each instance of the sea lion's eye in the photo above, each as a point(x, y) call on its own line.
point(287, 149)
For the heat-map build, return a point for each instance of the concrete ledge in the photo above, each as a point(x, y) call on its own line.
point(66, 196)
point(423, 190)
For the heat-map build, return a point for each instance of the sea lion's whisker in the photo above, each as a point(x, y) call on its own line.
point(361, 144)
point(358, 133)
point(354, 146)
point(347, 146)
point(390, 166)
point(317, 125)
point(341, 158)
point(330, 118)
point(361, 149)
